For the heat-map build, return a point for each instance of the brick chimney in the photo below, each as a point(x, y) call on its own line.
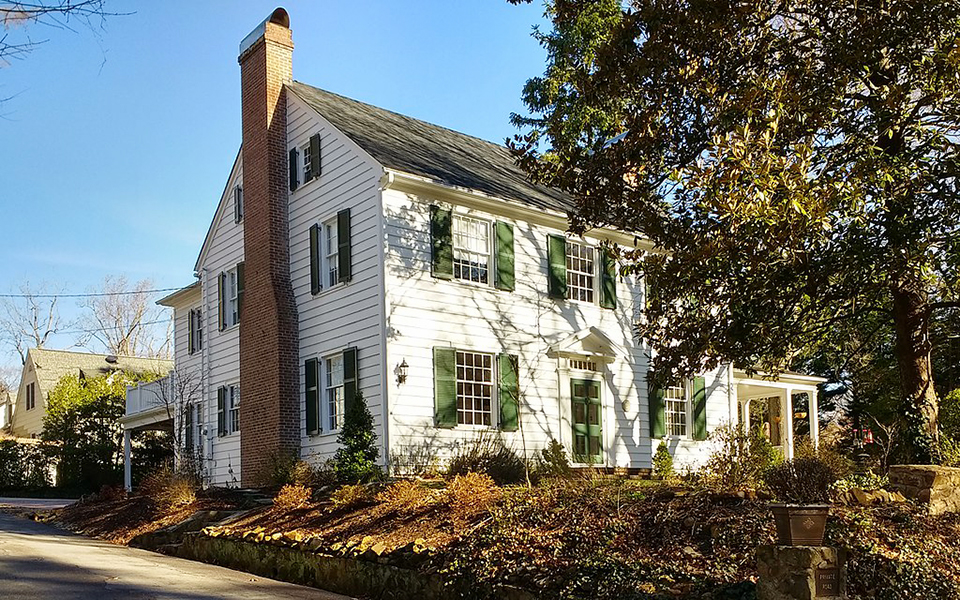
point(269, 349)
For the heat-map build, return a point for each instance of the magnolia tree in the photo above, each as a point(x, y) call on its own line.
point(794, 164)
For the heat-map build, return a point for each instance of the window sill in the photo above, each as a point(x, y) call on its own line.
point(327, 290)
point(230, 327)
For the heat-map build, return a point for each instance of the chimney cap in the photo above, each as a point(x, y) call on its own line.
point(278, 17)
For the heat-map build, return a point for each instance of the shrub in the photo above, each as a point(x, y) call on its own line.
point(552, 462)
point(355, 460)
point(470, 495)
point(663, 461)
point(867, 482)
point(804, 480)
point(841, 465)
point(351, 496)
point(949, 450)
point(949, 417)
point(739, 460)
point(24, 465)
point(285, 468)
point(292, 496)
point(406, 497)
point(416, 458)
point(488, 455)
point(168, 490)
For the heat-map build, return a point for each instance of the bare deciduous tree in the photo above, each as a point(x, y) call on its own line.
point(56, 14)
point(123, 319)
point(28, 321)
point(179, 393)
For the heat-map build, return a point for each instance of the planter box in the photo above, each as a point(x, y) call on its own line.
point(800, 524)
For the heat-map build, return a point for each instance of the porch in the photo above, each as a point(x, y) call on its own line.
point(784, 409)
point(149, 407)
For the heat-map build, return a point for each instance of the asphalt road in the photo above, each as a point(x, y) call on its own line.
point(38, 561)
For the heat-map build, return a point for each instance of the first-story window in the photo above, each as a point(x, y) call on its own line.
point(333, 391)
point(471, 249)
point(675, 408)
point(233, 420)
point(581, 268)
point(474, 388)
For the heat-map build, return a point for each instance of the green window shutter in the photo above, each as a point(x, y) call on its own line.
point(293, 165)
point(608, 282)
point(221, 299)
point(311, 370)
point(221, 411)
point(314, 258)
point(658, 426)
point(557, 267)
point(240, 287)
point(191, 344)
point(441, 241)
point(505, 274)
point(344, 261)
point(349, 378)
point(445, 386)
point(315, 156)
point(509, 393)
point(188, 427)
point(699, 408)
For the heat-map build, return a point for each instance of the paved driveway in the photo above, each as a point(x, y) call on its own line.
point(38, 561)
point(34, 503)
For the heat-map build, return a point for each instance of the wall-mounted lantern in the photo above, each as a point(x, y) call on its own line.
point(402, 372)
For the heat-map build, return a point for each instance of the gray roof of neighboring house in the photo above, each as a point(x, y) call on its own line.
point(419, 148)
point(53, 365)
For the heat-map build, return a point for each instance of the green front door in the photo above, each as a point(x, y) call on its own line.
point(587, 429)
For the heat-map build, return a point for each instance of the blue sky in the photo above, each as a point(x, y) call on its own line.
point(118, 141)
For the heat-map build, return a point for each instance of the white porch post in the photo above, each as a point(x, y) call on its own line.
point(788, 423)
point(814, 416)
point(127, 470)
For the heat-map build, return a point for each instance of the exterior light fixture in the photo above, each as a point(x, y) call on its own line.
point(402, 372)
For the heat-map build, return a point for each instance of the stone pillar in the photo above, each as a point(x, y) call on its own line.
point(801, 573)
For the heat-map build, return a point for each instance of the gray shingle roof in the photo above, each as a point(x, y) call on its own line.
point(52, 365)
point(419, 148)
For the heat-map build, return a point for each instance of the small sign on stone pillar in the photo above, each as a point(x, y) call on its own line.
point(801, 573)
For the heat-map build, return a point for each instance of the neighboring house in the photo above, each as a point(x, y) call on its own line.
point(44, 368)
point(6, 410)
point(359, 250)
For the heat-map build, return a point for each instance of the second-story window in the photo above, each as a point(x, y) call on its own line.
point(471, 249)
point(581, 269)
point(233, 298)
point(195, 341)
point(330, 253)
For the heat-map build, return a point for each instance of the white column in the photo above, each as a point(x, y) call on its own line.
point(127, 470)
point(788, 424)
point(814, 415)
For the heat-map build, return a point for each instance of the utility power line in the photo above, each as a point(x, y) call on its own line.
point(90, 295)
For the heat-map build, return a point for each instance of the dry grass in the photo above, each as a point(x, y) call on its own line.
point(407, 497)
point(351, 496)
point(471, 495)
point(292, 496)
point(168, 490)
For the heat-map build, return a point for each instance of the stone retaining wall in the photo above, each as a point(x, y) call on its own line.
point(936, 487)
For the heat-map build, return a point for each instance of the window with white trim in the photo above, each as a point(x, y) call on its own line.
point(330, 257)
point(306, 163)
point(31, 399)
point(471, 249)
point(675, 410)
point(233, 413)
point(197, 408)
point(474, 388)
point(581, 271)
point(233, 304)
point(196, 330)
point(333, 390)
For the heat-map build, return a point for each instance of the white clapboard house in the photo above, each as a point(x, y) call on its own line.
point(356, 249)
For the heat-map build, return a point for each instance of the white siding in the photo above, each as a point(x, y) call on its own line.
point(221, 349)
point(423, 312)
point(349, 314)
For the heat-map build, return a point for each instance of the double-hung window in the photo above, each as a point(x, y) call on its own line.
point(330, 257)
point(333, 391)
point(233, 298)
point(676, 410)
point(233, 393)
point(195, 341)
point(581, 269)
point(471, 249)
point(474, 388)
